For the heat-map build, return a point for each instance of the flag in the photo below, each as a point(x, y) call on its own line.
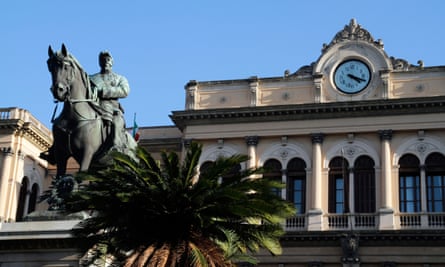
point(135, 133)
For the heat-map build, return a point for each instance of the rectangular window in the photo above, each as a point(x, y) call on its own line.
point(435, 192)
point(298, 195)
point(409, 190)
point(339, 195)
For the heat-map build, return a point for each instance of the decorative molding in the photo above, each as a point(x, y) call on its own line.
point(315, 111)
point(400, 64)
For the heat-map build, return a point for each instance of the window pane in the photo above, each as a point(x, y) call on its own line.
point(409, 181)
point(339, 208)
point(437, 180)
point(339, 183)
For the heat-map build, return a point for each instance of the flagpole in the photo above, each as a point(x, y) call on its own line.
point(135, 126)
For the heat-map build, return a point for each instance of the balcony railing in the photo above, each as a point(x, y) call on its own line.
point(369, 221)
point(428, 220)
point(352, 221)
point(296, 223)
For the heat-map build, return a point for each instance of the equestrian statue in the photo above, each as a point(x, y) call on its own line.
point(91, 123)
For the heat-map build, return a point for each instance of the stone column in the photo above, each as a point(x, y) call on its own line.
point(316, 213)
point(386, 210)
point(423, 198)
point(5, 180)
point(284, 181)
point(252, 142)
point(423, 191)
point(15, 184)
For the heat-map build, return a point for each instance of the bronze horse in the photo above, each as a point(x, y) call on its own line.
point(79, 130)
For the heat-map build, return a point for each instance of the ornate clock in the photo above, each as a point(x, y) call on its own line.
point(352, 76)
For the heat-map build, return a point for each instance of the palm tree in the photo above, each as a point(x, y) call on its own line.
point(149, 215)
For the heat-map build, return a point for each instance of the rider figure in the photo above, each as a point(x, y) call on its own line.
point(110, 86)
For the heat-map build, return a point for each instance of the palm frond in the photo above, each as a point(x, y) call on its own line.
point(168, 216)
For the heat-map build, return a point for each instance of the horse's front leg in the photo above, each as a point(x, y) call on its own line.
point(86, 159)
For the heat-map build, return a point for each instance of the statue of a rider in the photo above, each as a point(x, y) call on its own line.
point(109, 86)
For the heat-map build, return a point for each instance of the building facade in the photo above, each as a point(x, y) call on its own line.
point(357, 136)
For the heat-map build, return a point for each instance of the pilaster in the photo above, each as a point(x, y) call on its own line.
point(6, 178)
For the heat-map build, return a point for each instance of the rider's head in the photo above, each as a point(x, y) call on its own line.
point(105, 61)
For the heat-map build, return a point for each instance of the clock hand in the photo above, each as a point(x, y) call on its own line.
point(357, 79)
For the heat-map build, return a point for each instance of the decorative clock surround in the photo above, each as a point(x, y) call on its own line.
point(350, 66)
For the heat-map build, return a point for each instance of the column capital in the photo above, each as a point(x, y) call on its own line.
point(187, 142)
point(7, 150)
point(385, 134)
point(252, 140)
point(317, 138)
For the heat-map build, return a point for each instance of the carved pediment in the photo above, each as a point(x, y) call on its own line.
point(353, 32)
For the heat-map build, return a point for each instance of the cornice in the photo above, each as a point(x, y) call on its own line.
point(367, 238)
point(49, 243)
point(313, 111)
point(26, 129)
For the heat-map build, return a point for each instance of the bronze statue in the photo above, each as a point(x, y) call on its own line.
point(83, 130)
point(111, 86)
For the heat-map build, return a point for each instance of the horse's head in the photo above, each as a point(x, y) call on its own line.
point(65, 72)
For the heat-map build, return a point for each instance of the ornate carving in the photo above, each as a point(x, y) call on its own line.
point(403, 65)
point(304, 70)
point(284, 153)
point(351, 151)
point(350, 245)
point(421, 148)
point(353, 31)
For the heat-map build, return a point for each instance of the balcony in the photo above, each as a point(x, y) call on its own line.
point(369, 221)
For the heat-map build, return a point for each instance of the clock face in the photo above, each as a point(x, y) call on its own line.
point(352, 76)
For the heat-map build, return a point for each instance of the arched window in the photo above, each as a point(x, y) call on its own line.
point(22, 199)
point(435, 182)
point(273, 171)
point(296, 184)
point(364, 185)
point(338, 185)
point(409, 184)
point(33, 198)
point(205, 166)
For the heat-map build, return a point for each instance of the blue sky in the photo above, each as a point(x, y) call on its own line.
point(161, 45)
